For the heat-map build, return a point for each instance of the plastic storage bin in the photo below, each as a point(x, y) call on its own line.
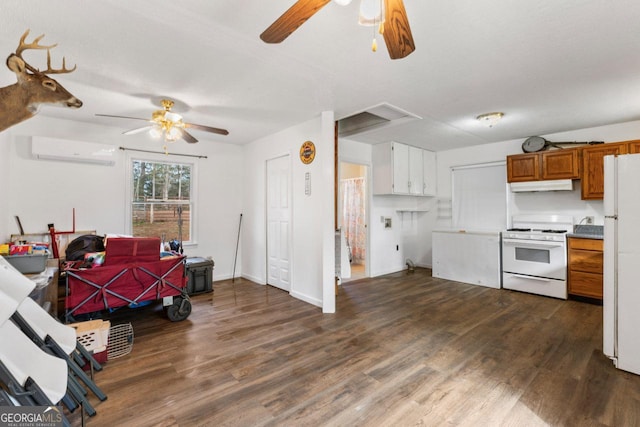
point(28, 264)
point(199, 274)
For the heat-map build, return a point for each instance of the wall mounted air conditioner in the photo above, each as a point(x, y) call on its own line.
point(73, 151)
point(550, 185)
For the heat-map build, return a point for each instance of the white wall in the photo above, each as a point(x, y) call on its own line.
point(5, 141)
point(45, 191)
point(312, 256)
point(351, 170)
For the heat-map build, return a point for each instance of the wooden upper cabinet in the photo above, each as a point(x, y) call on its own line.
point(593, 167)
point(561, 164)
point(554, 164)
point(634, 146)
point(523, 167)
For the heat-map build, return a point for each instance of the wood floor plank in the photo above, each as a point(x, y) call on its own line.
point(401, 350)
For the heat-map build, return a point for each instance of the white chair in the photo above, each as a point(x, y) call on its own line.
point(25, 361)
point(14, 288)
point(44, 325)
point(45, 331)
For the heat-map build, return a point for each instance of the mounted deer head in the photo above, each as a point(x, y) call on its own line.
point(22, 100)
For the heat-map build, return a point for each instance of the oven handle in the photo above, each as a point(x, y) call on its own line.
point(522, 276)
point(532, 243)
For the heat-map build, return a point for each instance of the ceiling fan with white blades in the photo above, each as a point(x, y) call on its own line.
point(389, 15)
point(168, 124)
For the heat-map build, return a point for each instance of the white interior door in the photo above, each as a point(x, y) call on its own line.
point(279, 223)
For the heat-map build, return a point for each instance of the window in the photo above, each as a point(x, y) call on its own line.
point(161, 203)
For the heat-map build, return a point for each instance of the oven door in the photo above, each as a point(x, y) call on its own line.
point(535, 258)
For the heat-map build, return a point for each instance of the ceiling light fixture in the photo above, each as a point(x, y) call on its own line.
point(342, 2)
point(490, 119)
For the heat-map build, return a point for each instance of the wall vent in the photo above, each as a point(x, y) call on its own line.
point(374, 118)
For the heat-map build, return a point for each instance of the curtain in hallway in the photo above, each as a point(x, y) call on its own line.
point(353, 216)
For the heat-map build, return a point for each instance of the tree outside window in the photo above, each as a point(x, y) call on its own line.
point(161, 200)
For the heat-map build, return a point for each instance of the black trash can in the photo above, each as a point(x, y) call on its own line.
point(199, 275)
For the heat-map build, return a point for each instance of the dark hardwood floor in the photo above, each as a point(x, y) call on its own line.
point(402, 350)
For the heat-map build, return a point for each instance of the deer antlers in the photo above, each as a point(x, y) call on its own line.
point(35, 44)
point(22, 100)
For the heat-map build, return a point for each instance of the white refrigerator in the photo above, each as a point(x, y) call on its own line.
point(621, 292)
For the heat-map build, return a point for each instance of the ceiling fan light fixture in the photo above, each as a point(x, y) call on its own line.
point(172, 134)
point(490, 119)
point(155, 132)
point(172, 117)
point(371, 13)
point(169, 125)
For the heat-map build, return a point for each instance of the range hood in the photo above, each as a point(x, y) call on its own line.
point(551, 185)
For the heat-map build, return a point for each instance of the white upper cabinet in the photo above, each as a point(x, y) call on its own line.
point(402, 169)
point(429, 173)
point(416, 180)
point(400, 158)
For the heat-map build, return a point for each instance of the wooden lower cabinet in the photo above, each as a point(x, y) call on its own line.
point(585, 267)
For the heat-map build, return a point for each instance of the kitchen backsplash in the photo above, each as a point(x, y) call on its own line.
point(556, 203)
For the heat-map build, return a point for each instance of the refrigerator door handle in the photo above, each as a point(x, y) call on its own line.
point(611, 216)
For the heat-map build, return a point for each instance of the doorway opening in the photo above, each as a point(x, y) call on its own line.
point(352, 217)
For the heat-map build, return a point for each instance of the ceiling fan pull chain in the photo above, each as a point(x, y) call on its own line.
point(374, 44)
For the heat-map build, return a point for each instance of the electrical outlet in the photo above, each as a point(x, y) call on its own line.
point(589, 220)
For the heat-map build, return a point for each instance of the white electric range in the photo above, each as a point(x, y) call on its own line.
point(534, 254)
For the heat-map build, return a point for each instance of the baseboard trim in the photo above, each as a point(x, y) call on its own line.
point(306, 298)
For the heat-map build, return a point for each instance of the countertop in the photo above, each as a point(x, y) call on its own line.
point(471, 231)
point(587, 232)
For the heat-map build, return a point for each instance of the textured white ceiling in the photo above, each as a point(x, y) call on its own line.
point(549, 65)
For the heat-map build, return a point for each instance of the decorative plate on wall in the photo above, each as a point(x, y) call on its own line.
point(307, 152)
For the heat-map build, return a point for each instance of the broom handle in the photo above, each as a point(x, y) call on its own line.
point(233, 276)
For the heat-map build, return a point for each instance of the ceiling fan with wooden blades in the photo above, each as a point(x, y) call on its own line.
point(168, 124)
point(394, 26)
